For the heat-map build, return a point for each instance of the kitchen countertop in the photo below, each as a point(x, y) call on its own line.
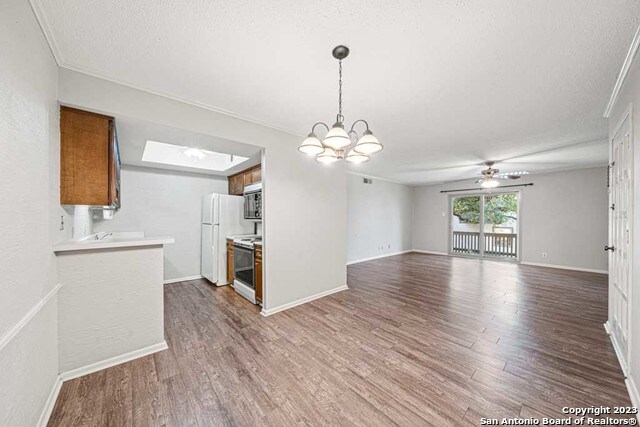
point(115, 240)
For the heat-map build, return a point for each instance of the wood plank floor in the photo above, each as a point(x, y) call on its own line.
point(416, 340)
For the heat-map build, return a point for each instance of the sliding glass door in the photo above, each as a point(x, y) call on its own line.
point(465, 225)
point(484, 225)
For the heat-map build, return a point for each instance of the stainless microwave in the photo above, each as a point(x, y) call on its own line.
point(253, 201)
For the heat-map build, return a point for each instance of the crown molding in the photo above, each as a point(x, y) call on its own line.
point(626, 66)
point(202, 105)
point(46, 30)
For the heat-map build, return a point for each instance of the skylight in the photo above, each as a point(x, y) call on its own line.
point(190, 157)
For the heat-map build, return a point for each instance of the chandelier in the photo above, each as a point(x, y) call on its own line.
point(338, 144)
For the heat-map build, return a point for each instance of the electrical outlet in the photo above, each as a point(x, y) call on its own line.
point(61, 222)
point(544, 255)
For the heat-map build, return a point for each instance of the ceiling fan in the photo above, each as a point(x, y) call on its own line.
point(490, 176)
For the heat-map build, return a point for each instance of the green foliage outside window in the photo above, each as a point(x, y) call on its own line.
point(498, 209)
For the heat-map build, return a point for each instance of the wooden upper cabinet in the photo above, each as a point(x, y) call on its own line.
point(238, 181)
point(236, 184)
point(89, 159)
point(256, 174)
point(248, 176)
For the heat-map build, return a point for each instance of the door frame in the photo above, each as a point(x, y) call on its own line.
point(622, 358)
point(481, 194)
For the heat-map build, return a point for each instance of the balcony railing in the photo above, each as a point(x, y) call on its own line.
point(495, 244)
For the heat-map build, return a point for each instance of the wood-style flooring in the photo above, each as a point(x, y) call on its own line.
point(416, 340)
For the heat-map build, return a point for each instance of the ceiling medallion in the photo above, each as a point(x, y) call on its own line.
point(337, 141)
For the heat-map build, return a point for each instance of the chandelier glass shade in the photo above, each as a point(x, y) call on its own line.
point(355, 157)
point(368, 143)
point(337, 138)
point(327, 156)
point(337, 141)
point(311, 146)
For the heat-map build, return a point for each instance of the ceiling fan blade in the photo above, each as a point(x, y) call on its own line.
point(508, 175)
point(458, 180)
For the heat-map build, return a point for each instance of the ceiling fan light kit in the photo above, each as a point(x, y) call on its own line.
point(489, 182)
point(490, 176)
point(337, 140)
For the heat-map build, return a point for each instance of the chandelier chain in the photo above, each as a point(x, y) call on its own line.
point(340, 90)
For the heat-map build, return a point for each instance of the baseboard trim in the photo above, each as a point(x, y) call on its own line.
point(632, 389)
point(15, 329)
point(302, 301)
point(50, 403)
point(564, 267)
point(616, 348)
point(421, 251)
point(357, 261)
point(113, 361)
point(183, 279)
point(634, 395)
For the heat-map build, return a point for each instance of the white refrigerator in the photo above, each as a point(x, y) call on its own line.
point(222, 216)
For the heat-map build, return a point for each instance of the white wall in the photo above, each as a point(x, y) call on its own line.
point(107, 312)
point(379, 218)
point(563, 214)
point(165, 203)
point(305, 203)
point(29, 216)
point(630, 94)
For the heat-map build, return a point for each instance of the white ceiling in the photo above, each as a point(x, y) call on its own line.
point(133, 135)
point(444, 84)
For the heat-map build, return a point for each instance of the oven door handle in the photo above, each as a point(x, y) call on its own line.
point(240, 246)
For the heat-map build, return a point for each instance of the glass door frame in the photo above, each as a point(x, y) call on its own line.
point(481, 243)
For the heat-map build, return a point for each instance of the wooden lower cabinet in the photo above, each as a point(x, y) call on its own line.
point(230, 261)
point(257, 272)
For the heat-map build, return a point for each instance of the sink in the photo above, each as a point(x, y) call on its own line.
point(107, 236)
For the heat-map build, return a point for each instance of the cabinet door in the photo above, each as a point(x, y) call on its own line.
point(236, 183)
point(258, 273)
point(247, 177)
point(230, 261)
point(85, 155)
point(114, 167)
point(239, 185)
point(256, 174)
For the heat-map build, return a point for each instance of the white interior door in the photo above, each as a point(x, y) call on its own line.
point(620, 229)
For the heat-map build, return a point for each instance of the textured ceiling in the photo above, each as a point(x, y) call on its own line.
point(445, 85)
